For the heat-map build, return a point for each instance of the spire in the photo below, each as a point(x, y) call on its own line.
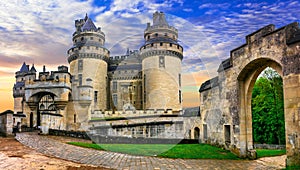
point(86, 17)
point(24, 68)
point(127, 52)
point(33, 69)
point(89, 25)
point(159, 19)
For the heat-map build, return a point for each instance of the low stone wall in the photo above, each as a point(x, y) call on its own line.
point(75, 134)
point(98, 114)
point(128, 140)
point(268, 146)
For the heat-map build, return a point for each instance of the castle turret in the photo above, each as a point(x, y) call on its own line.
point(161, 61)
point(88, 65)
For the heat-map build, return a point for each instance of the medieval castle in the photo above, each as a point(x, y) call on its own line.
point(137, 94)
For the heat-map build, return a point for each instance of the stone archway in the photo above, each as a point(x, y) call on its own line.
point(231, 90)
point(246, 81)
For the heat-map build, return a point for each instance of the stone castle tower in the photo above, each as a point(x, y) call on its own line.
point(161, 62)
point(99, 90)
point(88, 65)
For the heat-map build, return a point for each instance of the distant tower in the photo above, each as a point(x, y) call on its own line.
point(161, 62)
point(24, 75)
point(88, 65)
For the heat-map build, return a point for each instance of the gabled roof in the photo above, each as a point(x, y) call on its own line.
point(24, 68)
point(89, 26)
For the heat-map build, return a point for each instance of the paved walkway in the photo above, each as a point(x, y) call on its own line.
point(52, 147)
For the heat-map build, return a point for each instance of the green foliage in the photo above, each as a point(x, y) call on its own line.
point(269, 152)
point(184, 151)
point(268, 109)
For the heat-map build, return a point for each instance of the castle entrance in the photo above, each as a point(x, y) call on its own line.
point(246, 80)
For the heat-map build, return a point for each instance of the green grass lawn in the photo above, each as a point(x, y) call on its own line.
point(185, 151)
point(269, 152)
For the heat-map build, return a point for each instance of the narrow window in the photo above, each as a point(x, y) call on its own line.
point(162, 61)
point(115, 99)
point(179, 96)
point(74, 118)
point(227, 134)
point(95, 96)
point(179, 80)
point(115, 85)
point(205, 132)
point(80, 79)
point(80, 65)
point(170, 44)
point(161, 44)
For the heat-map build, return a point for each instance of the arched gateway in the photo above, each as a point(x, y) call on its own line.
point(226, 99)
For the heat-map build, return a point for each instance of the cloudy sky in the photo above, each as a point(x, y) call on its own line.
point(39, 32)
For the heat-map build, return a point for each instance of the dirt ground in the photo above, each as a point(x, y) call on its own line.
point(14, 155)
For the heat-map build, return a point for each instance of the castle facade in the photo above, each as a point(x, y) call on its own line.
point(137, 94)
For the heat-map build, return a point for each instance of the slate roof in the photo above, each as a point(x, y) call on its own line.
point(225, 65)
point(24, 68)
point(33, 69)
point(19, 84)
point(209, 84)
point(89, 26)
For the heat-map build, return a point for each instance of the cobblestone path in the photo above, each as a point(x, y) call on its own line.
point(55, 148)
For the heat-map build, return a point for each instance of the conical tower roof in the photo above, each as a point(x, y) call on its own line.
point(33, 69)
point(89, 25)
point(24, 68)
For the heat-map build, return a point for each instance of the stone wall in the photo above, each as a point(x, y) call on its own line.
point(226, 100)
point(6, 122)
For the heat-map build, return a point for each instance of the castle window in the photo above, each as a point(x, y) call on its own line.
point(148, 37)
point(80, 65)
point(177, 46)
point(161, 61)
point(179, 96)
point(82, 38)
point(156, 35)
point(79, 48)
point(179, 80)
point(115, 85)
point(75, 41)
point(74, 118)
point(115, 99)
point(95, 96)
point(151, 44)
point(166, 34)
point(80, 79)
point(170, 44)
point(204, 131)
point(161, 44)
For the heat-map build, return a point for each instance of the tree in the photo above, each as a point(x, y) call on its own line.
point(267, 109)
